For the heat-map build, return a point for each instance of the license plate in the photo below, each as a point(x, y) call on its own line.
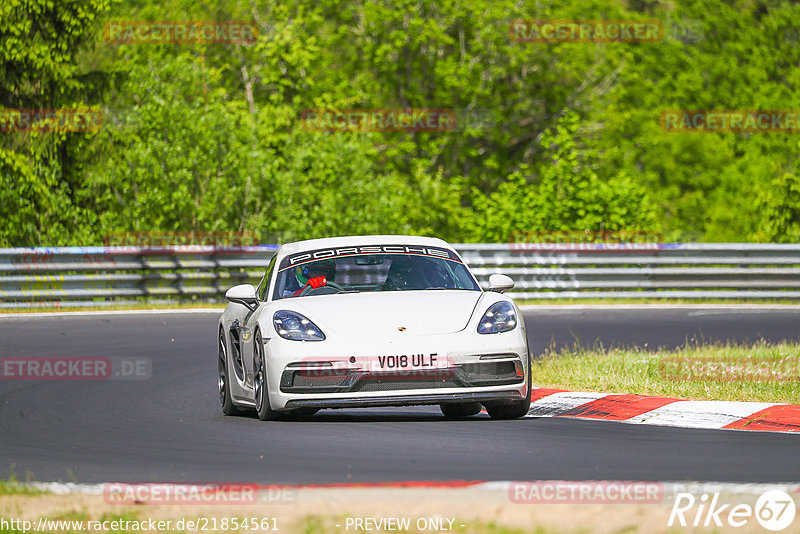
point(415, 360)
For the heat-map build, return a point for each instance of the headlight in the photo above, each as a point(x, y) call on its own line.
point(292, 325)
point(498, 318)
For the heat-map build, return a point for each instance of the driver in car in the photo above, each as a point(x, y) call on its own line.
point(310, 271)
point(405, 273)
point(408, 273)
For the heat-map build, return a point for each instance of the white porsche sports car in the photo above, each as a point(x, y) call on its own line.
point(350, 322)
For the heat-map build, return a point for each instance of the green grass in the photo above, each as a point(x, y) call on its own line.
point(763, 372)
point(13, 486)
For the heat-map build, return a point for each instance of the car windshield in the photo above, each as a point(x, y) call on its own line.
point(359, 270)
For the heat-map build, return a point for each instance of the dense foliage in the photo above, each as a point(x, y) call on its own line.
point(561, 137)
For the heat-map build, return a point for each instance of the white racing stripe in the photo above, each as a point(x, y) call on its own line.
point(700, 414)
point(557, 403)
point(65, 488)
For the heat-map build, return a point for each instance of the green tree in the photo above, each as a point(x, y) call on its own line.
point(40, 172)
point(780, 204)
point(564, 193)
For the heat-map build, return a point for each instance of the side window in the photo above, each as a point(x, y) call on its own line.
point(263, 286)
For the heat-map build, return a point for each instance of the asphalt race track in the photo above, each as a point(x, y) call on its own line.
point(170, 428)
point(664, 327)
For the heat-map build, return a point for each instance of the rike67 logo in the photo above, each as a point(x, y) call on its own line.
point(774, 510)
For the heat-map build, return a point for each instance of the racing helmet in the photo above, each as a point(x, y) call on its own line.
point(326, 268)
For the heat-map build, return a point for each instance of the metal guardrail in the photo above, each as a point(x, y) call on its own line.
point(642, 270)
point(97, 276)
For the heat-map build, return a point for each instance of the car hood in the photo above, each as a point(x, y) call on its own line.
point(386, 313)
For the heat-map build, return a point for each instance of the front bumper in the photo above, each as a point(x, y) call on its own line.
point(301, 378)
point(332, 374)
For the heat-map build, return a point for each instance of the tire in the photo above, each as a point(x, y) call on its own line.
point(223, 380)
point(261, 392)
point(515, 410)
point(461, 409)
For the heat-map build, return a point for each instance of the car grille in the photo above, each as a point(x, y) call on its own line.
point(321, 378)
point(489, 369)
point(371, 384)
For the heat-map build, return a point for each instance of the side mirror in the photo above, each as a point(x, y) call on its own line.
point(243, 294)
point(500, 283)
